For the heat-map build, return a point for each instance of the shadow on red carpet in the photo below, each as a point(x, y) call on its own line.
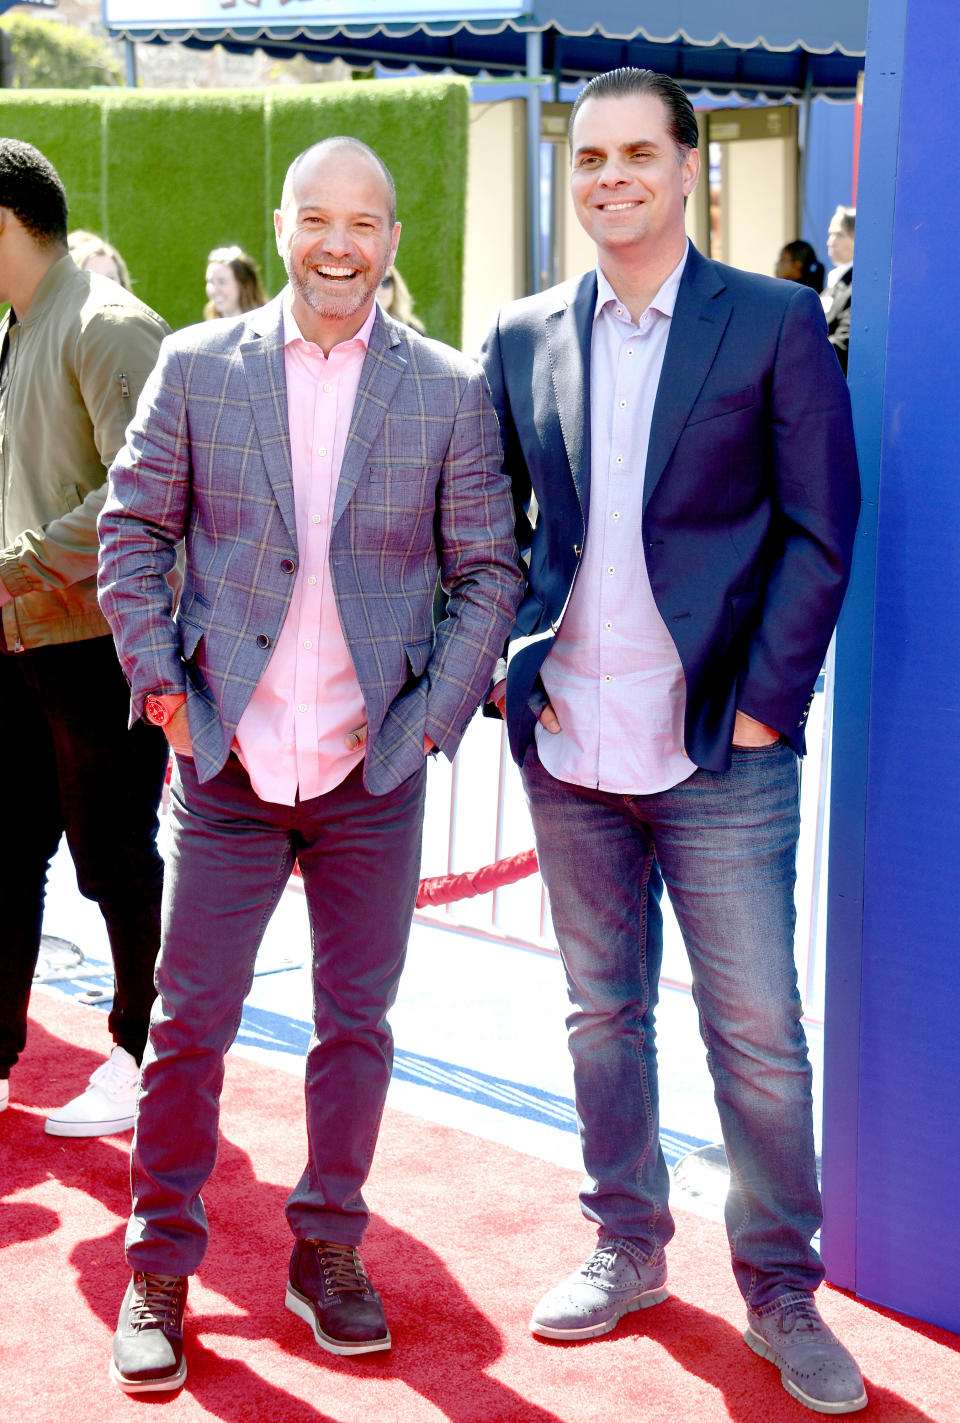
point(465, 1236)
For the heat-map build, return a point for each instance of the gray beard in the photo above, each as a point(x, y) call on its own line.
point(329, 307)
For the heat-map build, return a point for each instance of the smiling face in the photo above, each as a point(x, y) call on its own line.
point(336, 239)
point(628, 178)
point(223, 289)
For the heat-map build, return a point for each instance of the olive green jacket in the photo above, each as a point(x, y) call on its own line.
point(74, 370)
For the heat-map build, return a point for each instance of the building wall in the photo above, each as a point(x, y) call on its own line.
point(494, 268)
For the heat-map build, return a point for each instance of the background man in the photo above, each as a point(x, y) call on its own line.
point(679, 435)
point(839, 288)
point(323, 463)
point(75, 351)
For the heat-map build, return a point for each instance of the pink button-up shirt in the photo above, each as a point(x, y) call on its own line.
point(291, 735)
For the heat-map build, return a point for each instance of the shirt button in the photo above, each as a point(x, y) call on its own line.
point(308, 644)
point(623, 405)
point(317, 518)
point(322, 450)
point(608, 678)
point(302, 706)
point(616, 516)
point(312, 579)
point(608, 626)
point(327, 387)
point(619, 459)
point(611, 569)
point(629, 350)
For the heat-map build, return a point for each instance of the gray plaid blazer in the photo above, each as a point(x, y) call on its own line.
point(207, 461)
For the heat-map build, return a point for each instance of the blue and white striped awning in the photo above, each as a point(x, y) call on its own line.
point(773, 47)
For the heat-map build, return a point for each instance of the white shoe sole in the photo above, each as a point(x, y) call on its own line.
point(54, 1126)
point(760, 1346)
point(163, 1385)
point(593, 1331)
point(299, 1305)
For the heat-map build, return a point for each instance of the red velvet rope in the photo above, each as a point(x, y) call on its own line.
point(445, 889)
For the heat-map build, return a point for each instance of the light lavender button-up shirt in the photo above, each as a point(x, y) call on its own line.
point(613, 674)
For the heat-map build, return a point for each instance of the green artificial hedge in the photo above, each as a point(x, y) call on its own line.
point(168, 175)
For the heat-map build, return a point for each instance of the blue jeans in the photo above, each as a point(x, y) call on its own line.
point(231, 858)
point(725, 846)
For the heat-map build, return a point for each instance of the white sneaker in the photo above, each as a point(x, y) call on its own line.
point(4, 1093)
point(108, 1105)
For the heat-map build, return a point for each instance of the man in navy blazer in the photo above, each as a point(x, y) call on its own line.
point(679, 439)
point(323, 466)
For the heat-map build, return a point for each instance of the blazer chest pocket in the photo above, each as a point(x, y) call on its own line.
point(392, 472)
point(727, 404)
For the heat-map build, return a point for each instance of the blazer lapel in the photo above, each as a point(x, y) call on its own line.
point(383, 366)
point(263, 365)
point(569, 330)
point(696, 328)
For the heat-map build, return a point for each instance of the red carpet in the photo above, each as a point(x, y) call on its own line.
point(466, 1235)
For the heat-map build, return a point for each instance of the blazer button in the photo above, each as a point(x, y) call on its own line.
point(263, 640)
point(287, 565)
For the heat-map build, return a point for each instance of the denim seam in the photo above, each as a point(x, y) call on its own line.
point(653, 1141)
point(734, 1234)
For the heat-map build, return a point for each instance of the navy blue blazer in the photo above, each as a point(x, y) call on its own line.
point(751, 492)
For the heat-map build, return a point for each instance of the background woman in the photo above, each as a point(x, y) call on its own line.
point(799, 263)
point(94, 254)
point(234, 284)
point(394, 296)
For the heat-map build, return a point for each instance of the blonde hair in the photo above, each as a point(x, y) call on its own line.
point(83, 245)
point(401, 306)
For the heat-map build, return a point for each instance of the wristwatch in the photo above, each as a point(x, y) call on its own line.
point(159, 708)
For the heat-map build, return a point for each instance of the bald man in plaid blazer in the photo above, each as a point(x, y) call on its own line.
point(323, 466)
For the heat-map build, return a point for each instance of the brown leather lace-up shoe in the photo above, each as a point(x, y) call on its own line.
point(328, 1288)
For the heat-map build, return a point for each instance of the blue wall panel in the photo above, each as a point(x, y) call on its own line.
point(892, 1104)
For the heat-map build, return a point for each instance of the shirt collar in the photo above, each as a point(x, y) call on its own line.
point(292, 332)
point(664, 301)
point(836, 273)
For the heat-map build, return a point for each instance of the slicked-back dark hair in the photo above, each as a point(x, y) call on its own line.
point(30, 187)
point(624, 83)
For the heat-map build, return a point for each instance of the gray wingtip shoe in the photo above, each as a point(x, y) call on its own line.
point(614, 1281)
point(814, 1366)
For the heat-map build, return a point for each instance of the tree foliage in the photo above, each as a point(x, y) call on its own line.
point(51, 55)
